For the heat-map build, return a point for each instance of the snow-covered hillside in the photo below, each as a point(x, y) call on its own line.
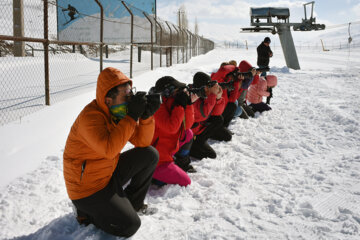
point(291, 173)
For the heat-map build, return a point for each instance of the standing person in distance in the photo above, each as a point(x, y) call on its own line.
point(94, 169)
point(264, 54)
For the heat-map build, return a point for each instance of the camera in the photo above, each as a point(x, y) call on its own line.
point(151, 97)
point(245, 74)
point(227, 85)
point(200, 92)
point(168, 91)
point(249, 74)
point(263, 69)
point(211, 83)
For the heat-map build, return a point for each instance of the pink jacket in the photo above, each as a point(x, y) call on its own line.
point(257, 92)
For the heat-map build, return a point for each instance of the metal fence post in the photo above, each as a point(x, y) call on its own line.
point(152, 41)
point(101, 33)
point(182, 45)
point(177, 43)
point(131, 38)
point(190, 42)
point(18, 26)
point(170, 42)
point(160, 39)
point(198, 45)
point(186, 44)
point(46, 54)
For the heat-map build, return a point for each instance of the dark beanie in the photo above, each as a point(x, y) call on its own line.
point(167, 81)
point(201, 79)
point(267, 40)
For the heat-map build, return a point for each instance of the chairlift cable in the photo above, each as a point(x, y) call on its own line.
point(342, 25)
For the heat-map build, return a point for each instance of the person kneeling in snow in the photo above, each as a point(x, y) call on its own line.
point(229, 76)
point(172, 122)
point(243, 110)
point(260, 90)
point(95, 171)
point(207, 113)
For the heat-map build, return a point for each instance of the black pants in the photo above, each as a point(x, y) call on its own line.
point(113, 209)
point(260, 107)
point(200, 148)
point(228, 113)
point(212, 124)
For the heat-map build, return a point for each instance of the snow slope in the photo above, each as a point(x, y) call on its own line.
point(291, 173)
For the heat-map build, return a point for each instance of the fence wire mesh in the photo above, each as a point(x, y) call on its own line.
point(23, 78)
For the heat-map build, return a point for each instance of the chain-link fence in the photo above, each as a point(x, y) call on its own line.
point(38, 68)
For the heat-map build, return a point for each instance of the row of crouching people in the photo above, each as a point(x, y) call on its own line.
point(190, 115)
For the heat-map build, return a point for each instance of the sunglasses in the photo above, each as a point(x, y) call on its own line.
point(128, 91)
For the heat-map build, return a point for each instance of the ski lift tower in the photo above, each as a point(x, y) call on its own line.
point(262, 20)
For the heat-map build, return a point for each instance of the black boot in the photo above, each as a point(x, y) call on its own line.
point(184, 163)
point(202, 150)
point(222, 134)
point(209, 151)
point(249, 111)
point(244, 114)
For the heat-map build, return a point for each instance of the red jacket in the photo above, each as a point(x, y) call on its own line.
point(203, 108)
point(169, 124)
point(220, 76)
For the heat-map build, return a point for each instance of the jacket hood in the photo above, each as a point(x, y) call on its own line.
point(222, 72)
point(108, 78)
point(244, 66)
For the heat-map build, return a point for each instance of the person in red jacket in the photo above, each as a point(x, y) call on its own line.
point(174, 117)
point(243, 110)
point(207, 114)
point(227, 74)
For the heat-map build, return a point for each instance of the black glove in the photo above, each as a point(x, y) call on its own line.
point(136, 105)
point(153, 104)
point(182, 99)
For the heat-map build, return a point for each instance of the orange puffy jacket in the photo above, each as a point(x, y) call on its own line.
point(95, 141)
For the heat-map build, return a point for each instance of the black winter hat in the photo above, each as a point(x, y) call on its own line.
point(201, 79)
point(267, 40)
point(167, 81)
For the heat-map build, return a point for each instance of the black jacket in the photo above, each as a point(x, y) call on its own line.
point(263, 53)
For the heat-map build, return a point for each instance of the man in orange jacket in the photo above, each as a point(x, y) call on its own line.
point(95, 171)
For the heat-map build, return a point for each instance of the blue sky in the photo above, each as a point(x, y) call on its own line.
point(222, 19)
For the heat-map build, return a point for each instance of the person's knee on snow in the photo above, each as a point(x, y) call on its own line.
point(151, 154)
point(123, 228)
point(100, 132)
point(170, 173)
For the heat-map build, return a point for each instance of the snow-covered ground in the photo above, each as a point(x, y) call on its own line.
point(291, 173)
